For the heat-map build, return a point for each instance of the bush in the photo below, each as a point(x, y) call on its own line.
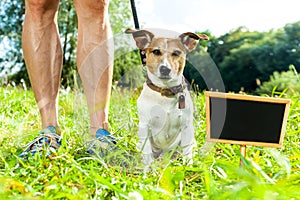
point(284, 82)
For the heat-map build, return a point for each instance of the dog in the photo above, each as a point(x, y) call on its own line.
point(165, 107)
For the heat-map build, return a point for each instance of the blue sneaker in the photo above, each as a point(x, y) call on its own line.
point(102, 144)
point(46, 143)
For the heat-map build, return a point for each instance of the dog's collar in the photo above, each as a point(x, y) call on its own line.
point(167, 92)
point(143, 57)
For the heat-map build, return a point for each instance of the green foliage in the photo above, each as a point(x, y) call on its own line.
point(67, 23)
point(120, 15)
point(71, 174)
point(243, 56)
point(128, 71)
point(284, 82)
point(11, 19)
point(198, 64)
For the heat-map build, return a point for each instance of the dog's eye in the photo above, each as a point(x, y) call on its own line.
point(176, 53)
point(156, 52)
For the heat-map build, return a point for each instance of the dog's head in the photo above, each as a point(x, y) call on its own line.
point(165, 57)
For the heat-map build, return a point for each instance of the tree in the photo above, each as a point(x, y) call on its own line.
point(197, 65)
point(245, 58)
point(292, 39)
point(11, 19)
point(67, 22)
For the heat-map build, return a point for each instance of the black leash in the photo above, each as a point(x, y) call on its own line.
point(134, 14)
point(137, 26)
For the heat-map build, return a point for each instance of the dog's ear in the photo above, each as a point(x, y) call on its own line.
point(190, 40)
point(142, 37)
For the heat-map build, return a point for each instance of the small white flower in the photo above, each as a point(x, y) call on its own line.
point(135, 196)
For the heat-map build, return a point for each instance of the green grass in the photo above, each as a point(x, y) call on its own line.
point(268, 173)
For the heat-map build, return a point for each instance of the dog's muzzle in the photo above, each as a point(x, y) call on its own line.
point(164, 71)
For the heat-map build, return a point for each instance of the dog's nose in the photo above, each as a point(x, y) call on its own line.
point(164, 70)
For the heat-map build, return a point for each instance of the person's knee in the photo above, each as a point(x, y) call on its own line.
point(92, 8)
point(40, 8)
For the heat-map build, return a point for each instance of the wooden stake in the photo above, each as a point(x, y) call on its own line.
point(243, 152)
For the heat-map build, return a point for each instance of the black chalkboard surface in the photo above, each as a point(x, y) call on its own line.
point(246, 120)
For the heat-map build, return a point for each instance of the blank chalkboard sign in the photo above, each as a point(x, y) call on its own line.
point(245, 119)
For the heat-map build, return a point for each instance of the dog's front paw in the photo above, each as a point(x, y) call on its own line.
point(147, 159)
point(149, 169)
point(146, 169)
point(188, 161)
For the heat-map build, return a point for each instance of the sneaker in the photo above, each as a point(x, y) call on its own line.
point(46, 143)
point(102, 144)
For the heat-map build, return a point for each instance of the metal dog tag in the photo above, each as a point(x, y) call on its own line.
point(181, 101)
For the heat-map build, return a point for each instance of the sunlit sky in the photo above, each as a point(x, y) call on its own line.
point(217, 16)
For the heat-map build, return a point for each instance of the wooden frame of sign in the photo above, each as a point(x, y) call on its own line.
point(246, 119)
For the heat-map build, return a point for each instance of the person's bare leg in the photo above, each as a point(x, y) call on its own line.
point(43, 55)
point(95, 58)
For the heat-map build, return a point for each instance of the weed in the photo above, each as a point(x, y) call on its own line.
point(71, 174)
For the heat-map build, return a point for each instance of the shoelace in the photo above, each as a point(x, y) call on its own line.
point(103, 142)
point(46, 138)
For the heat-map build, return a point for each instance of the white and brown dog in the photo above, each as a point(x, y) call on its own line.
point(165, 107)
